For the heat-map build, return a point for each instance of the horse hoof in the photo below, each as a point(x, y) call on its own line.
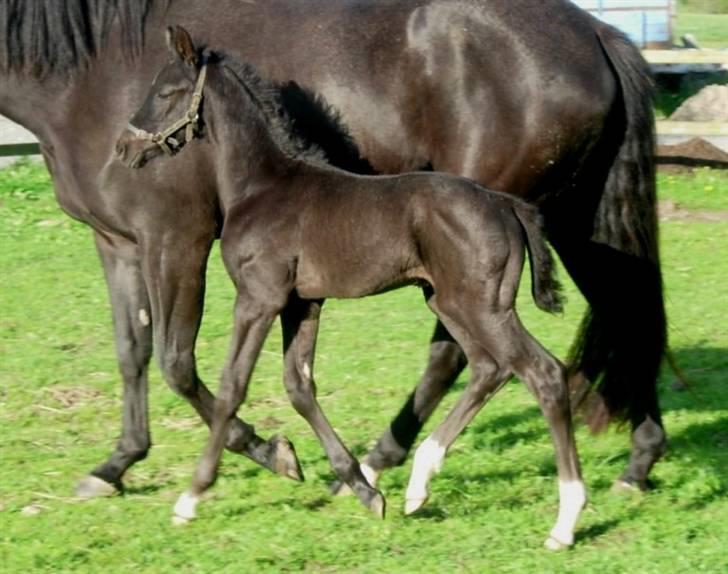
point(621, 486)
point(554, 544)
point(378, 505)
point(285, 461)
point(180, 520)
point(412, 505)
point(340, 488)
point(94, 487)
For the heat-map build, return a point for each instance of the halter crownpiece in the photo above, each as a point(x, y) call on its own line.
point(190, 121)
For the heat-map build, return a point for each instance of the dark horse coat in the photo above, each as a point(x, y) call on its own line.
point(558, 114)
point(296, 232)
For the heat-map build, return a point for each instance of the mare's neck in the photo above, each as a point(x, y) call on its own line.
point(247, 158)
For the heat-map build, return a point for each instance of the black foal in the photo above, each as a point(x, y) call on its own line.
point(296, 232)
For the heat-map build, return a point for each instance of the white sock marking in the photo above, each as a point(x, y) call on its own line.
point(428, 462)
point(186, 505)
point(572, 498)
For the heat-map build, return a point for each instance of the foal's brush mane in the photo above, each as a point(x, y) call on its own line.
point(39, 37)
point(267, 98)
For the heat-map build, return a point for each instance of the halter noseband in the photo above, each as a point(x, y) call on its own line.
point(190, 121)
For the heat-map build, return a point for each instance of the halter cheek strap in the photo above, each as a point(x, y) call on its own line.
point(190, 121)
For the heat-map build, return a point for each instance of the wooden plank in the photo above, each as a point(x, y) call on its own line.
point(697, 129)
point(686, 56)
point(8, 150)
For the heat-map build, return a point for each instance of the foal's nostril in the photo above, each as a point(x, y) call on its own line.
point(121, 150)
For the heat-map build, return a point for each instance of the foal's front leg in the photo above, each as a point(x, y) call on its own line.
point(300, 321)
point(252, 323)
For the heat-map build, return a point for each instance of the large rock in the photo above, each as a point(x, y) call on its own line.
point(709, 105)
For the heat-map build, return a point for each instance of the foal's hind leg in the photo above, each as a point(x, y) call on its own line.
point(545, 377)
point(445, 364)
point(486, 380)
point(300, 320)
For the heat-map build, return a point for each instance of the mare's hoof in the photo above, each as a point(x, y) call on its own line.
point(340, 488)
point(554, 544)
point(623, 486)
point(285, 462)
point(378, 505)
point(412, 505)
point(94, 487)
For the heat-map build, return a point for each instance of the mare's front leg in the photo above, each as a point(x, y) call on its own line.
point(445, 364)
point(132, 318)
point(174, 271)
point(133, 337)
point(252, 322)
point(300, 321)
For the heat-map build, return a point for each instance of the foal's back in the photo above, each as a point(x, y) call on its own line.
point(328, 233)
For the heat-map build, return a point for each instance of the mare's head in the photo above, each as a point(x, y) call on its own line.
point(170, 116)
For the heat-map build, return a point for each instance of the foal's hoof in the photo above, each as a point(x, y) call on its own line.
point(378, 505)
point(625, 486)
point(94, 487)
point(555, 544)
point(412, 505)
point(284, 459)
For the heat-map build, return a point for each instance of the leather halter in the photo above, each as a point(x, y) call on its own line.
point(190, 121)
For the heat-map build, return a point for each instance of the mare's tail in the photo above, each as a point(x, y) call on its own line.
point(621, 342)
point(545, 288)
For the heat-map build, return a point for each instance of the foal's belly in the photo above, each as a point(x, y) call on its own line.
point(353, 277)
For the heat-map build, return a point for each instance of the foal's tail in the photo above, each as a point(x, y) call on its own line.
point(545, 288)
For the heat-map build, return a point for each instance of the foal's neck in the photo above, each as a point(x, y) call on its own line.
point(249, 160)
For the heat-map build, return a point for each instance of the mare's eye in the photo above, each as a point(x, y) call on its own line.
point(166, 94)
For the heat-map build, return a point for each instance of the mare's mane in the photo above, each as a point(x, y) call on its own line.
point(39, 37)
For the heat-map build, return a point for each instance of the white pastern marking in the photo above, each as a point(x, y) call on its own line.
point(144, 317)
point(186, 505)
point(428, 461)
point(370, 474)
point(306, 371)
point(572, 498)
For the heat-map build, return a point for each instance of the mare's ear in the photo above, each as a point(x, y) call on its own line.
point(180, 43)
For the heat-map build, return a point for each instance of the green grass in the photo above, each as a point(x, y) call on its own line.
point(703, 188)
point(711, 30)
point(490, 508)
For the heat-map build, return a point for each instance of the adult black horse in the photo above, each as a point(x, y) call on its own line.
point(559, 114)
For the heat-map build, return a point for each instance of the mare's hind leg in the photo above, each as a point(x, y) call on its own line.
point(447, 360)
point(175, 277)
point(252, 323)
point(300, 321)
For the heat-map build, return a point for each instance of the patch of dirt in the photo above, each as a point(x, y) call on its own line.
point(670, 210)
point(686, 156)
point(70, 397)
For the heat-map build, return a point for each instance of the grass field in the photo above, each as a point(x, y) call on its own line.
point(490, 508)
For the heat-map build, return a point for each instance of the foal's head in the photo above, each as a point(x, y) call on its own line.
point(170, 116)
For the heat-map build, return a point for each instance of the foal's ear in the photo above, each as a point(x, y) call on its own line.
point(180, 43)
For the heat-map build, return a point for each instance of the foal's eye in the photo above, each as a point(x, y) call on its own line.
point(166, 95)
